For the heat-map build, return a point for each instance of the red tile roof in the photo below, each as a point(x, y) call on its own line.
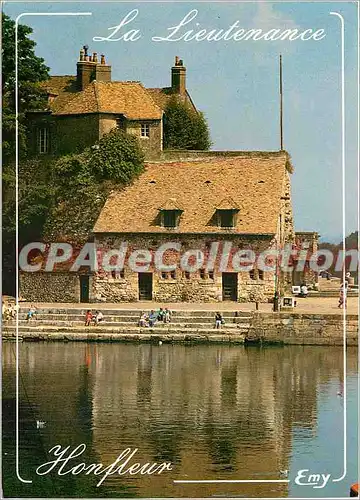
point(254, 181)
point(128, 98)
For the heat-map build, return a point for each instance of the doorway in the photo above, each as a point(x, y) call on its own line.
point(84, 288)
point(145, 286)
point(229, 286)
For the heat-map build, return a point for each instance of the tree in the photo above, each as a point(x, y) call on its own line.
point(118, 157)
point(83, 181)
point(185, 128)
point(31, 71)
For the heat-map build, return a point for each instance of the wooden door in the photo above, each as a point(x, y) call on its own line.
point(84, 288)
point(229, 286)
point(145, 286)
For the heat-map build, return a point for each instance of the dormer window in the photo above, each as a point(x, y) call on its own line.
point(170, 214)
point(226, 213)
point(170, 218)
point(226, 218)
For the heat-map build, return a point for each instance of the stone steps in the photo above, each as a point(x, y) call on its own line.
point(129, 318)
point(132, 312)
point(37, 323)
point(129, 334)
point(67, 323)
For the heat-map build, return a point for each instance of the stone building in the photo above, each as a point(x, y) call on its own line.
point(306, 243)
point(207, 207)
point(82, 108)
point(207, 212)
point(226, 203)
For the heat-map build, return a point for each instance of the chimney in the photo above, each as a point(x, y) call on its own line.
point(103, 70)
point(178, 77)
point(89, 69)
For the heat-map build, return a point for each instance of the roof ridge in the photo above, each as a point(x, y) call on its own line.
point(151, 99)
point(95, 83)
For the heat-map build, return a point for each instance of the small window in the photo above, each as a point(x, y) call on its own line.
point(113, 275)
point(252, 274)
point(211, 275)
point(261, 274)
point(122, 274)
point(202, 274)
point(169, 218)
point(164, 275)
point(187, 275)
point(145, 130)
point(226, 218)
point(43, 140)
point(173, 275)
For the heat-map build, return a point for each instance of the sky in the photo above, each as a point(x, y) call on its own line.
point(236, 84)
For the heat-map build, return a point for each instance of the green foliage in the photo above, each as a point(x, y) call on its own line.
point(73, 217)
point(118, 158)
point(185, 128)
point(83, 181)
point(34, 202)
point(71, 172)
point(31, 71)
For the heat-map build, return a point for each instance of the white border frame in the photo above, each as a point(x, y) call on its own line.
point(343, 158)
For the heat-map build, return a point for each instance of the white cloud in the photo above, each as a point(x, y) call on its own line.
point(266, 17)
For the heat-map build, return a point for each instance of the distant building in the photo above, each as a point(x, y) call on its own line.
point(306, 243)
point(82, 108)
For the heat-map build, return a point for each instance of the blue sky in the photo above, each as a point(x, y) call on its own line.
point(236, 83)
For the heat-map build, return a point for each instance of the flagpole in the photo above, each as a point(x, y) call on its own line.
point(281, 104)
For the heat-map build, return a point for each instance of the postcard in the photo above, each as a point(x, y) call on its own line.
point(180, 249)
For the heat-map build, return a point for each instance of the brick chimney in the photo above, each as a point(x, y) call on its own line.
point(102, 70)
point(89, 69)
point(178, 77)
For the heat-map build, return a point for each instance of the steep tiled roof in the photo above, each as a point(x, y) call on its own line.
point(254, 181)
point(62, 88)
point(128, 98)
point(171, 204)
point(227, 204)
point(162, 97)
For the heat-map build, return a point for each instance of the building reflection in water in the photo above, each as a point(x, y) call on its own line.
point(215, 412)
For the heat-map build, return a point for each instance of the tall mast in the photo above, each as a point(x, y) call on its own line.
point(281, 105)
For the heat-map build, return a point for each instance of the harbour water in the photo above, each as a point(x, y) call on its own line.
point(216, 412)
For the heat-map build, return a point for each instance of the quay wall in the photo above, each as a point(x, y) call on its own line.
point(255, 328)
point(303, 329)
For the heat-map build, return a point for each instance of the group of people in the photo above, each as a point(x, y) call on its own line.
point(164, 315)
point(149, 320)
point(95, 318)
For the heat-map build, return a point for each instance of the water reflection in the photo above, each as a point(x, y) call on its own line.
point(215, 412)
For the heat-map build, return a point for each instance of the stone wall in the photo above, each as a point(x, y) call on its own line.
point(185, 154)
point(151, 145)
point(75, 133)
point(50, 287)
point(201, 285)
point(293, 328)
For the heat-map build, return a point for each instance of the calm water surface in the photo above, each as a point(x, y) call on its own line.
point(214, 412)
